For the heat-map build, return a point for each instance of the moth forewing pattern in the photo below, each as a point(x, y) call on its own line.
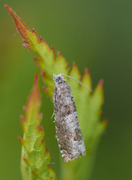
point(68, 131)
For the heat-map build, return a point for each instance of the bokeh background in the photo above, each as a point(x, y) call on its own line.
point(95, 34)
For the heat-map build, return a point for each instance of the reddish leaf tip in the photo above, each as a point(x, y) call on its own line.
point(47, 150)
point(21, 117)
point(41, 38)
point(25, 45)
point(40, 128)
point(36, 78)
point(59, 53)
point(24, 159)
point(100, 112)
point(44, 88)
point(86, 71)
point(51, 178)
point(34, 58)
point(52, 50)
point(42, 141)
point(24, 40)
point(19, 138)
point(34, 173)
point(74, 64)
point(40, 116)
point(7, 7)
point(24, 108)
point(69, 69)
point(106, 120)
point(101, 82)
point(42, 73)
point(22, 28)
point(33, 30)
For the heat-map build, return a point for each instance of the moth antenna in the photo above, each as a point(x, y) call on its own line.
point(78, 82)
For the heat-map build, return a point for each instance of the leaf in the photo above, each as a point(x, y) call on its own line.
point(46, 62)
point(34, 159)
point(88, 104)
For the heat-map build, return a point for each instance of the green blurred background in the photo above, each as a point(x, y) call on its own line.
point(95, 34)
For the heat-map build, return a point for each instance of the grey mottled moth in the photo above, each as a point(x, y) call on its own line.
point(68, 131)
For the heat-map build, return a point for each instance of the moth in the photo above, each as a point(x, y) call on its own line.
point(68, 131)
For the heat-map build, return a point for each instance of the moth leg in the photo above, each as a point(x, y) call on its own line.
point(53, 115)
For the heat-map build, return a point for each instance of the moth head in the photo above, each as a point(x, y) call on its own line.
point(58, 78)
